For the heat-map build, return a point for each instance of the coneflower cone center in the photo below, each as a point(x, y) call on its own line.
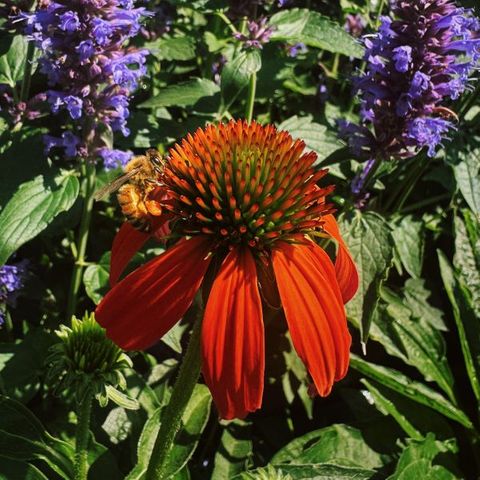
point(244, 184)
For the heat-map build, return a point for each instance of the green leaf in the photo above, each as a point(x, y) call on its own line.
point(10, 470)
point(234, 452)
point(315, 30)
point(32, 209)
point(96, 278)
point(387, 407)
point(176, 48)
point(415, 419)
point(416, 299)
point(182, 94)
point(22, 364)
point(13, 59)
point(414, 341)
point(409, 236)
point(194, 420)
point(316, 136)
point(310, 472)
point(368, 238)
point(145, 446)
point(467, 254)
point(416, 391)
point(339, 445)
point(236, 74)
point(468, 324)
point(466, 166)
point(23, 437)
point(416, 462)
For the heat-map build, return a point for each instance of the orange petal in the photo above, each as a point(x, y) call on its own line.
point(140, 309)
point(126, 243)
point(345, 268)
point(314, 312)
point(233, 337)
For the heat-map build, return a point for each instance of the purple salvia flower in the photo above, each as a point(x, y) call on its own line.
point(258, 34)
point(416, 63)
point(90, 71)
point(295, 49)
point(11, 281)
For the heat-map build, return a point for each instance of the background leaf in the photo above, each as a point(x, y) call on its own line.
point(32, 209)
point(313, 29)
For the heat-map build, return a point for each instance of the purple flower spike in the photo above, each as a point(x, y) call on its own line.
point(11, 281)
point(90, 71)
point(258, 34)
point(416, 63)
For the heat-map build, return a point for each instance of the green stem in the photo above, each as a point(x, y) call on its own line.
point(27, 75)
point(252, 88)
point(229, 24)
point(379, 14)
point(426, 202)
point(84, 411)
point(415, 176)
point(172, 415)
point(76, 280)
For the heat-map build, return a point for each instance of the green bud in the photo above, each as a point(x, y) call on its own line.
point(86, 362)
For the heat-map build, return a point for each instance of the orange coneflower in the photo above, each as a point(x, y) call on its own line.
point(245, 205)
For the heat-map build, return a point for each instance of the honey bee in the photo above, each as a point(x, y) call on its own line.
point(142, 178)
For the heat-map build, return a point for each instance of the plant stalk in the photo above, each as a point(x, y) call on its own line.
point(84, 412)
point(172, 415)
point(81, 246)
point(252, 88)
point(27, 75)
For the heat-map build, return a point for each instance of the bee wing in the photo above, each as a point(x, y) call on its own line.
point(115, 184)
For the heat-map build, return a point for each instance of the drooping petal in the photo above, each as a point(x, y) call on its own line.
point(126, 243)
point(147, 303)
point(339, 328)
point(345, 268)
point(314, 312)
point(233, 337)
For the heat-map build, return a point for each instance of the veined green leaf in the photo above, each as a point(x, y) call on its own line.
point(173, 48)
point(414, 390)
point(339, 445)
point(368, 238)
point(388, 407)
point(236, 74)
point(315, 136)
point(467, 254)
point(11, 469)
point(315, 30)
point(309, 472)
point(183, 94)
point(194, 420)
point(409, 236)
point(96, 277)
point(32, 209)
point(235, 450)
point(467, 323)
point(416, 461)
point(13, 59)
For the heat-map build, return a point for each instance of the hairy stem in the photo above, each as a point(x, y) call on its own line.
point(84, 411)
point(172, 415)
point(82, 240)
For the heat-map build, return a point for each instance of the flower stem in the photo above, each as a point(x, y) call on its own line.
point(81, 247)
point(27, 75)
point(252, 88)
point(172, 415)
point(84, 411)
